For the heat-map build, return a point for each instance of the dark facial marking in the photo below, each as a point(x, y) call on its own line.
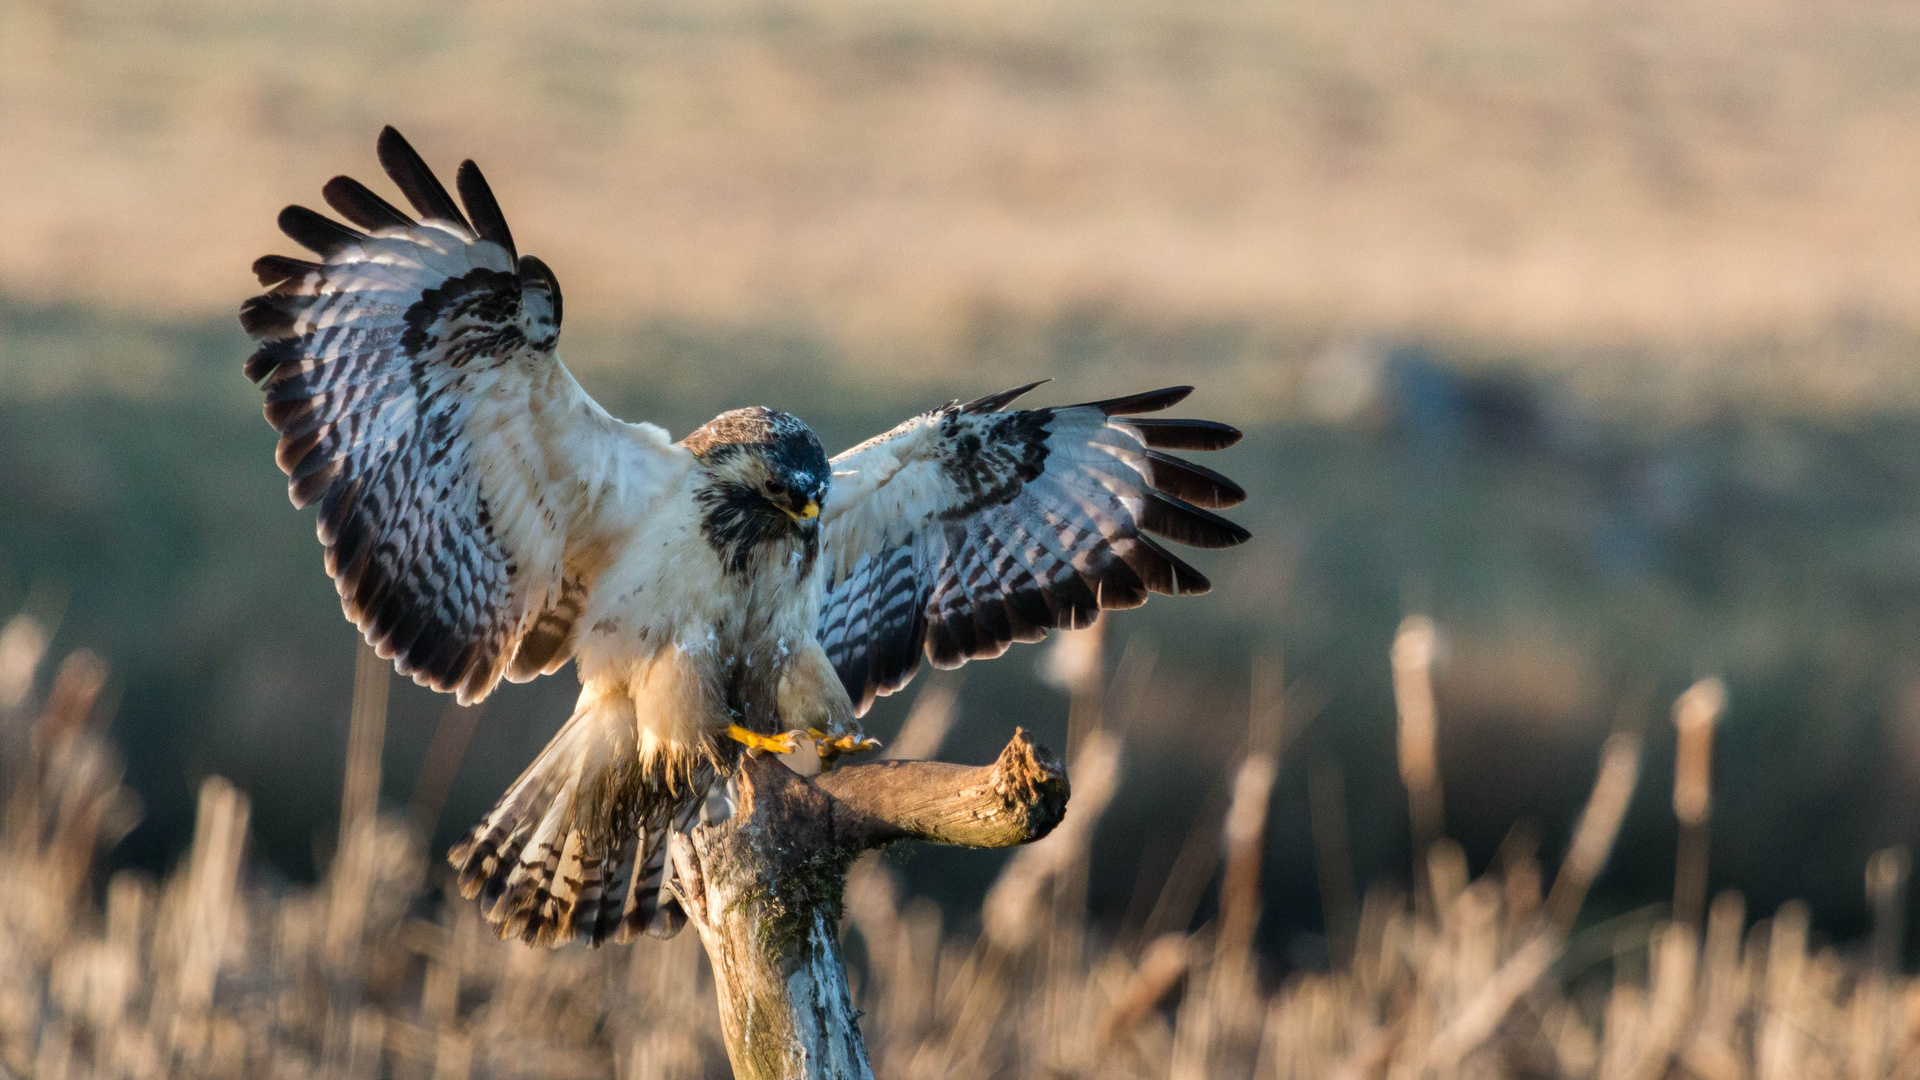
point(747, 504)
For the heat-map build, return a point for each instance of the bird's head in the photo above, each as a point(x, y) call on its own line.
point(767, 476)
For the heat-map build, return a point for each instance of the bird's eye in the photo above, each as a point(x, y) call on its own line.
point(776, 488)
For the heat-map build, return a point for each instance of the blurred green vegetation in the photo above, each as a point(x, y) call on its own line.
point(1583, 568)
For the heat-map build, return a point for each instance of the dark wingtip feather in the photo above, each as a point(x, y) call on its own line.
point(1196, 484)
point(482, 207)
point(1029, 606)
point(1182, 521)
point(271, 270)
point(305, 489)
point(531, 265)
point(1150, 401)
point(410, 173)
point(358, 204)
point(268, 357)
point(1117, 586)
point(1184, 434)
point(1071, 602)
point(1162, 571)
point(295, 419)
point(316, 231)
point(265, 318)
point(996, 401)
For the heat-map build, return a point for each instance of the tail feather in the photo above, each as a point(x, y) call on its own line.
point(602, 892)
point(524, 908)
point(651, 908)
point(577, 847)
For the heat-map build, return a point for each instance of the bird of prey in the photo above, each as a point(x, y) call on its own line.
point(483, 518)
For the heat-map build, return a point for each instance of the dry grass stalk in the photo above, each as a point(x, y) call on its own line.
point(1327, 804)
point(1414, 647)
point(1887, 873)
point(1599, 826)
point(925, 729)
point(22, 643)
point(359, 807)
point(444, 754)
point(1694, 714)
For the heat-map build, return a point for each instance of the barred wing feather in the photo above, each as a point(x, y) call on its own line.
point(468, 488)
point(968, 528)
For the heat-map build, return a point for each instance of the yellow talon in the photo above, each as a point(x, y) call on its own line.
point(832, 747)
point(779, 744)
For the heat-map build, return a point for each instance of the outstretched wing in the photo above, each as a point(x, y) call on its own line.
point(967, 528)
point(469, 490)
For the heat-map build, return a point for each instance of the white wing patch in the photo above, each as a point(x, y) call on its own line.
point(967, 528)
point(469, 490)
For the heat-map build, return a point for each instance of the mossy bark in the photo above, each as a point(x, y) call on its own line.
point(763, 888)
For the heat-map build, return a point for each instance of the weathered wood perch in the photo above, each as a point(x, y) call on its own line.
point(763, 888)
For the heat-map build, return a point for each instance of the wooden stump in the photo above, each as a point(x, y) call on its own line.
point(763, 888)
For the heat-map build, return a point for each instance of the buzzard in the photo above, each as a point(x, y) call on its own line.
point(483, 518)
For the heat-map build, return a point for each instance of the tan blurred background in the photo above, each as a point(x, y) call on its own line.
point(1680, 187)
point(1587, 328)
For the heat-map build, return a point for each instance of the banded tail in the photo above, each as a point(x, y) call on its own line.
point(577, 848)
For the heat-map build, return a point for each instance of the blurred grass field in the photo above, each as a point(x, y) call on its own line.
point(375, 972)
point(1588, 329)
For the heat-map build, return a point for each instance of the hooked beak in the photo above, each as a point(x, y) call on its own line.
point(805, 513)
